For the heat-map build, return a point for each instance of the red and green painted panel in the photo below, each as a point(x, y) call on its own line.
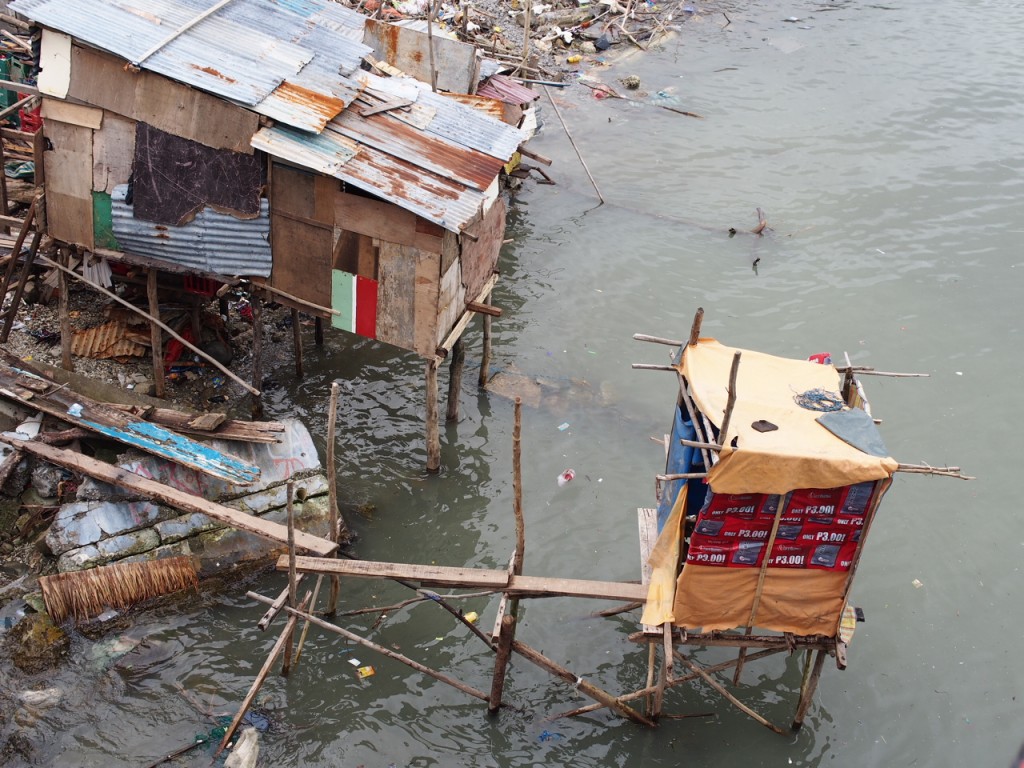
point(356, 298)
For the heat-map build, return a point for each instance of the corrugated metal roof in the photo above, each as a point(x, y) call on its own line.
point(296, 61)
point(243, 52)
point(212, 242)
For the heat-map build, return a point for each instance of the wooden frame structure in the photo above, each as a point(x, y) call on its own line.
point(675, 645)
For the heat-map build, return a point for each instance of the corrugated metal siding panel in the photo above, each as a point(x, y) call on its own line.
point(212, 242)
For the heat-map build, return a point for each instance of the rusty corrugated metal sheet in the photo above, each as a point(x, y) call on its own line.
point(487, 105)
point(111, 339)
point(245, 52)
point(215, 243)
point(506, 89)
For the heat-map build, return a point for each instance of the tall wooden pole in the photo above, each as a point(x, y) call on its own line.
point(292, 581)
point(155, 334)
point(297, 339)
point(256, 303)
point(66, 361)
point(517, 488)
point(698, 320)
point(433, 418)
point(807, 690)
point(332, 485)
point(455, 369)
point(505, 638)
point(485, 357)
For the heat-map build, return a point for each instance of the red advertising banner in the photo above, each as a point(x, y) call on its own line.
point(820, 528)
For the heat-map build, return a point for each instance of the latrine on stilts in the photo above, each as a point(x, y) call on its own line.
point(774, 475)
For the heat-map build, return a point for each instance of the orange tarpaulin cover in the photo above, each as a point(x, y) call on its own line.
point(800, 454)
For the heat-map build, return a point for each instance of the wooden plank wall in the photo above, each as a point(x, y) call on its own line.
point(113, 149)
point(100, 79)
point(67, 165)
point(301, 232)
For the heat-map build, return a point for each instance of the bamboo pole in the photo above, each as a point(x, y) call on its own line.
point(261, 677)
point(485, 358)
point(433, 417)
point(155, 334)
point(651, 367)
point(698, 428)
point(332, 485)
point(577, 149)
point(526, 33)
point(731, 402)
point(731, 699)
point(299, 614)
point(584, 687)
point(455, 368)
point(924, 469)
point(807, 691)
point(146, 315)
point(759, 590)
point(681, 476)
point(658, 340)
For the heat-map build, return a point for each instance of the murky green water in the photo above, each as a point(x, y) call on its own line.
point(885, 143)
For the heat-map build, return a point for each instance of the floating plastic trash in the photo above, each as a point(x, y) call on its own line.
point(365, 672)
point(471, 617)
point(75, 409)
point(566, 477)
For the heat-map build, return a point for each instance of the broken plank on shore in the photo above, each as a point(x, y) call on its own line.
point(472, 578)
point(231, 429)
point(74, 408)
point(115, 475)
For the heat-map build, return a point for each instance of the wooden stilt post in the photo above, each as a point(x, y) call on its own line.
point(455, 369)
point(292, 582)
point(507, 631)
point(155, 334)
point(517, 487)
point(332, 485)
point(433, 417)
point(807, 690)
point(297, 338)
point(256, 303)
point(305, 627)
point(262, 676)
point(666, 670)
point(66, 361)
point(652, 659)
point(485, 355)
point(505, 638)
point(698, 320)
point(318, 331)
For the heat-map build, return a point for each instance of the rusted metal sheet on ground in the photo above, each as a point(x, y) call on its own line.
point(113, 339)
point(506, 89)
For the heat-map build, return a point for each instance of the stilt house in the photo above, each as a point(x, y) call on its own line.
point(264, 139)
